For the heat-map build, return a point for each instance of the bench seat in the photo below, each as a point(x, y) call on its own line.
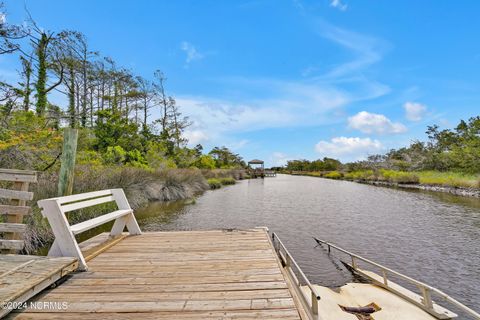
point(95, 222)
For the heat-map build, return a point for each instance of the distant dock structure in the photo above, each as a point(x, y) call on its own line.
point(256, 169)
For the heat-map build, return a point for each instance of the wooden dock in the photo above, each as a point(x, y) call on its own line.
point(22, 277)
point(176, 275)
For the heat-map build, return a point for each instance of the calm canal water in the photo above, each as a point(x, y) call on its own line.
point(434, 238)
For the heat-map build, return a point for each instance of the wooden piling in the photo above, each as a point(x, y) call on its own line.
point(67, 169)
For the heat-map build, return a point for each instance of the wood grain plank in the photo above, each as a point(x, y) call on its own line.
point(174, 305)
point(16, 194)
point(281, 314)
point(189, 287)
point(14, 210)
point(18, 177)
point(160, 296)
point(11, 244)
point(13, 227)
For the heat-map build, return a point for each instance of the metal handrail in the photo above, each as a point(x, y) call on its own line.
point(425, 288)
point(289, 262)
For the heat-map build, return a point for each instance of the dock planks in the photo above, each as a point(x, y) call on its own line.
point(22, 277)
point(177, 275)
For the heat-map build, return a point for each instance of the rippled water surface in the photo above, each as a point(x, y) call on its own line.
point(434, 238)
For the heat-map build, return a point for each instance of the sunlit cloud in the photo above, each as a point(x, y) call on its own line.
point(348, 148)
point(367, 122)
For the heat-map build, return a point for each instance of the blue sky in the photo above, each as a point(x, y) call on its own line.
point(284, 79)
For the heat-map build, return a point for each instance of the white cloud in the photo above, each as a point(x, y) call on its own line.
point(347, 149)
point(414, 111)
point(195, 136)
point(368, 122)
point(339, 5)
point(191, 52)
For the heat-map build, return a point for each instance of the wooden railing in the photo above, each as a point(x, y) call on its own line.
point(11, 225)
point(426, 302)
point(291, 266)
point(65, 244)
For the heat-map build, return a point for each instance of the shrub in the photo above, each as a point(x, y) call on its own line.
point(214, 183)
point(333, 175)
point(136, 159)
point(205, 162)
point(114, 155)
point(227, 181)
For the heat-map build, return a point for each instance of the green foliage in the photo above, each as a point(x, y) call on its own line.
point(118, 156)
point(456, 179)
point(226, 159)
point(398, 176)
point(114, 130)
point(156, 156)
point(227, 181)
point(90, 157)
point(41, 82)
point(115, 155)
point(333, 175)
point(135, 158)
point(362, 175)
point(205, 162)
point(214, 183)
point(28, 142)
point(327, 164)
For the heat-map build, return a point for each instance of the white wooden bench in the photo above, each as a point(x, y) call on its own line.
point(65, 244)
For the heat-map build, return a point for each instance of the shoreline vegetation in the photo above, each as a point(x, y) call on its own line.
point(448, 182)
point(449, 161)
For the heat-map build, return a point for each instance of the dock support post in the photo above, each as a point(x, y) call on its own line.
point(67, 169)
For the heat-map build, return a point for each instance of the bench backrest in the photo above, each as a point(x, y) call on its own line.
point(12, 226)
point(89, 199)
point(65, 244)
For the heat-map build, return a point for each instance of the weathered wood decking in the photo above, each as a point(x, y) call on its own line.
point(177, 275)
point(22, 277)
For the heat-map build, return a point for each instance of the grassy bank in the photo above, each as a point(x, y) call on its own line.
point(141, 187)
point(433, 178)
point(215, 183)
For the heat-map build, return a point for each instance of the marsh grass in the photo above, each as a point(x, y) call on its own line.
point(237, 174)
point(333, 175)
point(454, 179)
point(227, 181)
point(214, 183)
point(447, 179)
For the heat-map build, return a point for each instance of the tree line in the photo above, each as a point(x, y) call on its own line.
point(110, 104)
point(456, 149)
